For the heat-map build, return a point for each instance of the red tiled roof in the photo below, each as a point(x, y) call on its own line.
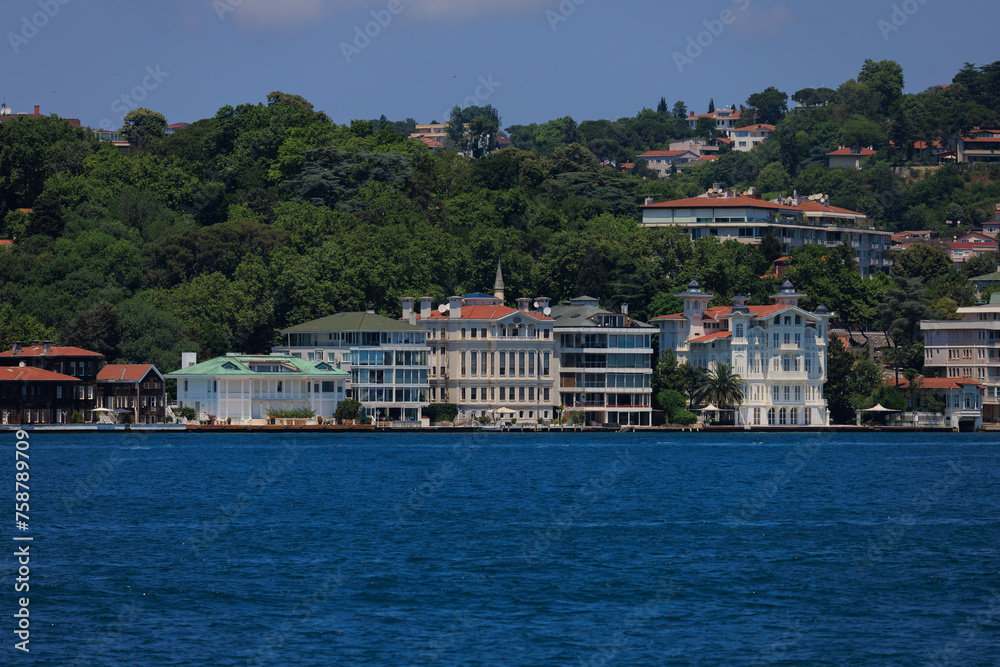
point(720, 202)
point(486, 313)
point(935, 383)
point(37, 351)
point(32, 374)
point(859, 152)
point(664, 153)
point(757, 127)
point(722, 311)
point(707, 158)
point(813, 206)
point(123, 372)
point(711, 336)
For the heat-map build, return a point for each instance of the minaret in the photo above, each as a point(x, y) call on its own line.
point(498, 285)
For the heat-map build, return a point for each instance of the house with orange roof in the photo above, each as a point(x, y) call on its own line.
point(795, 222)
point(31, 395)
point(962, 399)
point(968, 350)
point(134, 393)
point(725, 119)
point(487, 358)
point(749, 137)
point(979, 146)
point(849, 157)
point(76, 369)
point(779, 350)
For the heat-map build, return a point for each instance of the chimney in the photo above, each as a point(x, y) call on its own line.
point(16, 348)
point(455, 307)
point(523, 304)
point(46, 347)
point(408, 313)
point(425, 308)
point(543, 302)
point(37, 113)
point(624, 309)
point(188, 359)
point(649, 201)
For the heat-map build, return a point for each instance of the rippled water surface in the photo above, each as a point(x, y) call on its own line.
point(628, 549)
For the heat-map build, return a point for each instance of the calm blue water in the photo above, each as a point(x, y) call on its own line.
point(510, 550)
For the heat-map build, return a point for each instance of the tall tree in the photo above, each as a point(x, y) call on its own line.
point(769, 106)
point(885, 78)
point(711, 105)
point(680, 109)
point(143, 127)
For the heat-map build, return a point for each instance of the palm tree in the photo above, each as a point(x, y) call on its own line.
point(721, 386)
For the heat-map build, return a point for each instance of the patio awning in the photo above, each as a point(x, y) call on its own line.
point(878, 408)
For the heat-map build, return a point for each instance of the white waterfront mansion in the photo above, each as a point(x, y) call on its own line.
point(779, 350)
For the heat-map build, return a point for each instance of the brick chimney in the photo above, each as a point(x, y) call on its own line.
point(37, 112)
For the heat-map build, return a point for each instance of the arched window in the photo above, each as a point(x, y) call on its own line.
point(756, 416)
point(786, 364)
point(770, 417)
point(739, 330)
point(794, 417)
point(783, 417)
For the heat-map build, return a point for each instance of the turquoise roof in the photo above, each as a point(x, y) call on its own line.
point(243, 364)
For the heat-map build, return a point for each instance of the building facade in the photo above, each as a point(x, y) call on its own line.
point(388, 360)
point(81, 365)
point(969, 350)
point(30, 395)
point(487, 358)
point(605, 367)
point(249, 388)
point(795, 222)
point(136, 391)
point(778, 350)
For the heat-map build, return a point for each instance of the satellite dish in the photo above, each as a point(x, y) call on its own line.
point(536, 305)
point(443, 308)
point(547, 311)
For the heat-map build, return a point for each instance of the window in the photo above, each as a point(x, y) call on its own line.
point(545, 364)
point(798, 394)
point(520, 393)
point(531, 363)
point(546, 394)
point(786, 364)
point(473, 361)
point(770, 417)
point(503, 363)
point(788, 393)
point(793, 417)
point(503, 393)
point(462, 355)
point(809, 365)
point(756, 416)
point(531, 393)
point(776, 340)
point(775, 394)
point(482, 332)
point(738, 332)
point(520, 363)
point(463, 393)
point(463, 332)
point(474, 333)
point(473, 390)
point(783, 417)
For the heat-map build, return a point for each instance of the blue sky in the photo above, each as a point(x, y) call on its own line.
point(532, 59)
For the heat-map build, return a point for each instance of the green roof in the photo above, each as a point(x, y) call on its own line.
point(352, 322)
point(579, 316)
point(989, 276)
point(242, 365)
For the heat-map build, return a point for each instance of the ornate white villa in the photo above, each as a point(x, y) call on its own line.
point(779, 350)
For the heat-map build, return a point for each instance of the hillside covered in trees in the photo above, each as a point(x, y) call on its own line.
point(214, 238)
